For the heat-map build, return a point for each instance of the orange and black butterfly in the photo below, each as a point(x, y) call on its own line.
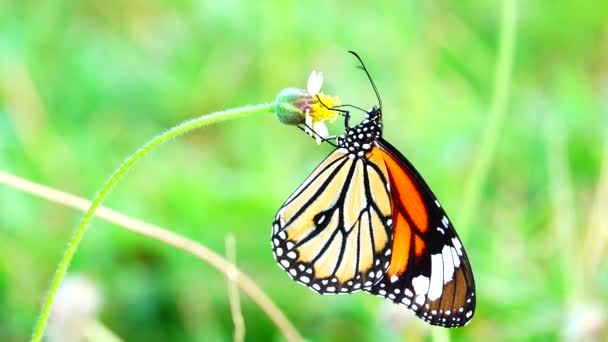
point(366, 220)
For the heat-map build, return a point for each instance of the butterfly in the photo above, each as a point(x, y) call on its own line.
point(366, 220)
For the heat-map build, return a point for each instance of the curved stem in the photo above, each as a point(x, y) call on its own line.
point(167, 237)
point(180, 129)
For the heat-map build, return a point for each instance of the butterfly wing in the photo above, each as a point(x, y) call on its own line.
point(429, 270)
point(334, 233)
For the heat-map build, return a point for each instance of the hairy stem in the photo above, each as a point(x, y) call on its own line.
point(178, 130)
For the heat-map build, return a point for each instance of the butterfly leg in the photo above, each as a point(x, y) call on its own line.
point(323, 139)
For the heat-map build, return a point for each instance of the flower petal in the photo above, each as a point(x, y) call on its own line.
point(315, 81)
point(308, 123)
point(321, 130)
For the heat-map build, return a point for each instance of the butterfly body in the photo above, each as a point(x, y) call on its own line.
point(360, 139)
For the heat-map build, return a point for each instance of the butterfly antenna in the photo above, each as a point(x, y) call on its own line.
point(362, 66)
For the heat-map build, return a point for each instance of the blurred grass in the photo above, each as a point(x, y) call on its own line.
point(85, 83)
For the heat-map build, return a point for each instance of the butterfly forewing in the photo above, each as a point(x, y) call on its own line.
point(333, 234)
point(429, 270)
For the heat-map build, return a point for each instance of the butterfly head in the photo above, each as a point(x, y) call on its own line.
point(360, 139)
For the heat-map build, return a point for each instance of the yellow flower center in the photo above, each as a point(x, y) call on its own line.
point(321, 111)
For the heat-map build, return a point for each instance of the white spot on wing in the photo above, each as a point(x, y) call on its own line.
point(445, 221)
point(436, 285)
point(420, 285)
point(457, 245)
point(448, 264)
point(455, 257)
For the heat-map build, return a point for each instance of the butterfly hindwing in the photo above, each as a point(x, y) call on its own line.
point(329, 235)
point(429, 270)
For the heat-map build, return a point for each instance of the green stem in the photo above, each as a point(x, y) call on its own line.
point(178, 130)
point(496, 115)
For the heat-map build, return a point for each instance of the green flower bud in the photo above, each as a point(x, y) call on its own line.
point(292, 104)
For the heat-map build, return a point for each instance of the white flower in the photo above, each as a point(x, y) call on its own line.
point(313, 86)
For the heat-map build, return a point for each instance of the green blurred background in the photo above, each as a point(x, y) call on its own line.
point(84, 83)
